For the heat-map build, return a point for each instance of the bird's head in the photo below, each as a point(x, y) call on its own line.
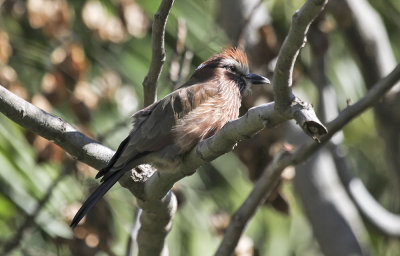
point(229, 66)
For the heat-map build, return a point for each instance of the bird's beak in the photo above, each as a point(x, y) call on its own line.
point(256, 79)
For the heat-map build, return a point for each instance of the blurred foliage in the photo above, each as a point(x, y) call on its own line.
point(85, 61)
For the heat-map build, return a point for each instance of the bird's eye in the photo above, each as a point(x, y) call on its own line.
point(233, 69)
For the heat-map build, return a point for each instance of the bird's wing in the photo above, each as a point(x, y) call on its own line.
point(152, 126)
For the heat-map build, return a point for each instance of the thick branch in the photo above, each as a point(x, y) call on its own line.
point(294, 41)
point(54, 129)
point(155, 226)
point(158, 52)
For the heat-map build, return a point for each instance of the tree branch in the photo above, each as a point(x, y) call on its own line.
point(54, 129)
point(266, 184)
point(294, 41)
point(155, 226)
point(371, 98)
point(158, 52)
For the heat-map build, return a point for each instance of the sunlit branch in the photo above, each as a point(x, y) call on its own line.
point(158, 52)
point(289, 51)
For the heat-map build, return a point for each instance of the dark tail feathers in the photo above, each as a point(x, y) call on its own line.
point(96, 195)
point(114, 159)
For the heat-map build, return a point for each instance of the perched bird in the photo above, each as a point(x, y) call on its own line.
point(164, 131)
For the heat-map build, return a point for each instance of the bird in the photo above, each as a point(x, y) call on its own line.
point(166, 130)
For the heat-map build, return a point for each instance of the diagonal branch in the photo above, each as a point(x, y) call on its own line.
point(158, 52)
point(294, 41)
point(54, 129)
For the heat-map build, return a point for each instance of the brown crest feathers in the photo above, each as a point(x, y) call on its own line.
point(236, 54)
point(228, 53)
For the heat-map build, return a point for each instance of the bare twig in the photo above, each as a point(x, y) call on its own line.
point(372, 97)
point(158, 52)
point(294, 41)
